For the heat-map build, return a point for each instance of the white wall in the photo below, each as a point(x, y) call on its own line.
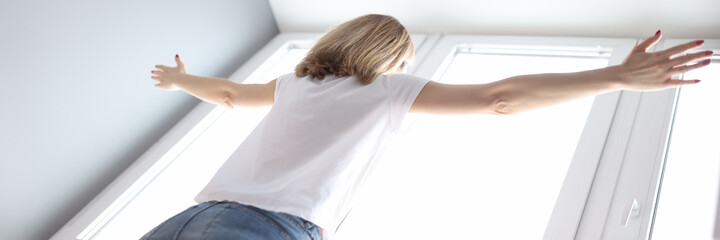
point(585, 18)
point(76, 99)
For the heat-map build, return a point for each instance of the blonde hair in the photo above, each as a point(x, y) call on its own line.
point(364, 47)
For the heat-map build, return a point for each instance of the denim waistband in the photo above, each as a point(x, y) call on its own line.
point(233, 220)
point(298, 222)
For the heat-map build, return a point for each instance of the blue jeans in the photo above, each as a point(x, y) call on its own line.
point(232, 220)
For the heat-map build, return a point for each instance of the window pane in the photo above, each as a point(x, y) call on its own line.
point(174, 189)
point(483, 177)
point(687, 204)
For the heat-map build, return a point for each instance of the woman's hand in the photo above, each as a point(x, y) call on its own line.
point(646, 71)
point(168, 76)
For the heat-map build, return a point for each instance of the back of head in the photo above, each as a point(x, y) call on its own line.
point(364, 47)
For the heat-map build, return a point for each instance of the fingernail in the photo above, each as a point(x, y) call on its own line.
point(658, 32)
point(176, 55)
point(700, 42)
point(709, 53)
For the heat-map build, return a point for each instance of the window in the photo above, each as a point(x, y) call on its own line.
point(459, 176)
point(624, 198)
point(571, 171)
point(688, 196)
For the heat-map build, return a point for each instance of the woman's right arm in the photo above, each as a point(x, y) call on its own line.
point(641, 71)
point(219, 91)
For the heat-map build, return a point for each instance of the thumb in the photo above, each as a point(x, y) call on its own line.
point(177, 60)
point(649, 42)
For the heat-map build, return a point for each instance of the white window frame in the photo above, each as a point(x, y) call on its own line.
point(638, 144)
point(656, 182)
point(597, 189)
point(573, 195)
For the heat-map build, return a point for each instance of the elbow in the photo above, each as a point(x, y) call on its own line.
point(501, 106)
point(227, 100)
point(498, 99)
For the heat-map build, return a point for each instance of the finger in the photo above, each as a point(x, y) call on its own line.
point(687, 68)
point(162, 67)
point(681, 48)
point(689, 58)
point(155, 78)
point(677, 83)
point(648, 43)
point(177, 60)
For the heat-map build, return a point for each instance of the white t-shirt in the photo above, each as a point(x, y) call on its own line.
point(316, 146)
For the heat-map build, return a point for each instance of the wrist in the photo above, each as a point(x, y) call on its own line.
point(615, 77)
point(183, 80)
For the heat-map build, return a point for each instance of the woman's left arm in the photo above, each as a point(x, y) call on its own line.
point(219, 91)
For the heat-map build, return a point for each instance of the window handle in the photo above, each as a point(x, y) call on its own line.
point(631, 211)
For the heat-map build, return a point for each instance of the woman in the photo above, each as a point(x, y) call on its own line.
point(298, 171)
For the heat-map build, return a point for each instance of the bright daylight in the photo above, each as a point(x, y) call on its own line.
point(355, 120)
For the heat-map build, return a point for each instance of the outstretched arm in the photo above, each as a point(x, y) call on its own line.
point(214, 90)
point(641, 71)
